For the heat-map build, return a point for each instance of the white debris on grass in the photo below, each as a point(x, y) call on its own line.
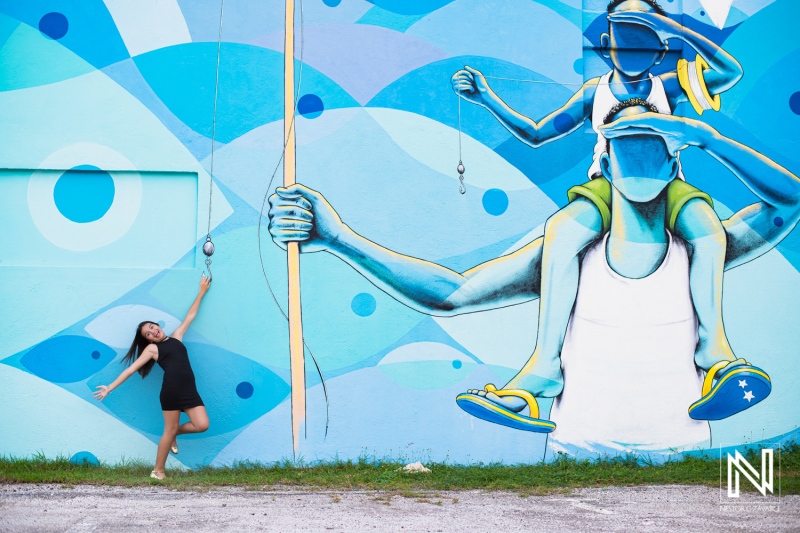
point(416, 467)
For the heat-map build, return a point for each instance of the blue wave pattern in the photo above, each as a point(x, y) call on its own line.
point(393, 374)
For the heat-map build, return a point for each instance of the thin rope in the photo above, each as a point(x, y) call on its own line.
point(261, 216)
point(208, 246)
point(559, 83)
point(214, 120)
point(460, 168)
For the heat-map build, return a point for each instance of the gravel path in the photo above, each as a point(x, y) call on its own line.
point(46, 508)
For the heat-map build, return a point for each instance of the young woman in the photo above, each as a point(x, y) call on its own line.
point(178, 390)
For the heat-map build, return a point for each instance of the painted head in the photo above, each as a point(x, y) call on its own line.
point(639, 166)
point(633, 48)
point(147, 332)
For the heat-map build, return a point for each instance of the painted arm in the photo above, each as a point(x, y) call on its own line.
point(180, 331)
point(148, 353)
point(756, 229)
point(300, 214)
point(724, 71)
point(471, 85)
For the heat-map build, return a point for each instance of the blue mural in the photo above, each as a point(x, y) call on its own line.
point(107, 172)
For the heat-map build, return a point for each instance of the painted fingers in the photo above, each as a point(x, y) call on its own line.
point(291, 216)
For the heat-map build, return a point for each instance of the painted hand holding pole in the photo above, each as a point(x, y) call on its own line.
point(296, 354)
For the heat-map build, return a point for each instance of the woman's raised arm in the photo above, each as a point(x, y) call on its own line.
point(205, 283)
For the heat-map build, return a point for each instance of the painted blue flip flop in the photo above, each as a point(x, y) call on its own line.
point(480, 407)
point(739, 385)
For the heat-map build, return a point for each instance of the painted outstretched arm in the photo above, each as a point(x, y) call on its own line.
point(300, 214)
point(724, 71)
point(471, 85)
point(759, 227)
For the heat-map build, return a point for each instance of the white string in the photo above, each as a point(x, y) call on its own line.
point(460, 168)
point(208, 246)
point(214, 119)
point(559, 83)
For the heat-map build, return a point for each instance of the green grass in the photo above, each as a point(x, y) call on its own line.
point(562, 474)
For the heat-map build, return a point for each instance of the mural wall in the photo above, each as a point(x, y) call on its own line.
point(108, 114)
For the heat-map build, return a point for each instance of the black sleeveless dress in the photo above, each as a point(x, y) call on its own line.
point(178, 390)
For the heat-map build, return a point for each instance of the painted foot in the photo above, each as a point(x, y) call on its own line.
point(504, 407)
point(729, 388)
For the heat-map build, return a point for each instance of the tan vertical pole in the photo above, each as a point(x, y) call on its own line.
point(296, 355)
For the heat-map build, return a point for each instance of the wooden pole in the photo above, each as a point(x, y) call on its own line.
point(296, 354)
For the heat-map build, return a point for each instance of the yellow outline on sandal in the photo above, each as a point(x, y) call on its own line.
point(747, 367)
point(505, 412)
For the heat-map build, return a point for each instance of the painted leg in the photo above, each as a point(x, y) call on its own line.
point(731, 385)
point(700, 227)
point(567, 234)
point(171, 420)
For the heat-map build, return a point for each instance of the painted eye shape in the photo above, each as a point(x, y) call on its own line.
point(84, 208)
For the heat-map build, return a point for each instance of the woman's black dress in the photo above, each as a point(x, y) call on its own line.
point(178, 390)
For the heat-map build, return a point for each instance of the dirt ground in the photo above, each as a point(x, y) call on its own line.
point(46, 508)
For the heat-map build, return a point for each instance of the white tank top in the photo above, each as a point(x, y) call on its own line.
point(628, 360)
point(604, 101)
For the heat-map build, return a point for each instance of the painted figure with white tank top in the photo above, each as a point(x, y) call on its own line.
point(628, 354)
point(637, 41)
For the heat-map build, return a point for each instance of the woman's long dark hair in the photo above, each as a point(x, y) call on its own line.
point(137, 347)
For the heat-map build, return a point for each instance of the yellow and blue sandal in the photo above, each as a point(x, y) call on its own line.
point(739, 385)
point(485, 409)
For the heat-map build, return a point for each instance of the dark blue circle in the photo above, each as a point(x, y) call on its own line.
point(95, 355)
point(331, 3)
point(363, 304)
point(563, 123)
point(310, 106)
point(84, 196)
point(457, 364)
point(84, 458)
point(778, 221)
point(55, 25)
point(702, 13)
point(794, 103)
point(244, 389)
point(577, 66)
point(495, 202)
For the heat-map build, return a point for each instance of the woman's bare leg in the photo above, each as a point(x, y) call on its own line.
point(198, 421)
point(171, 423)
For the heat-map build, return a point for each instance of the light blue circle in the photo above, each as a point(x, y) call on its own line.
point(457, 364)
point(363, 304)
point(84, 458)
point(577, 66)
point(245, 389)
point(84, 194)
point(495, 202)
point(331, 3)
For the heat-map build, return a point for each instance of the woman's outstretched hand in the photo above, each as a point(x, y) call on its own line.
point(101, 392)
point(205, 283)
